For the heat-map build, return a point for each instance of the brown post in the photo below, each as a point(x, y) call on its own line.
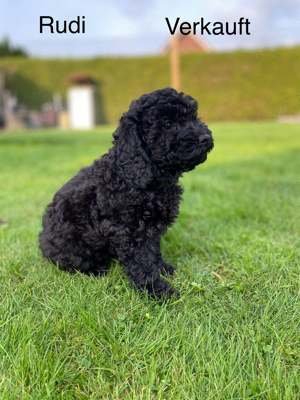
point(1, 85)
point(174, 62)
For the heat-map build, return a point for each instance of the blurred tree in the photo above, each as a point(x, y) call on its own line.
point(7, 50)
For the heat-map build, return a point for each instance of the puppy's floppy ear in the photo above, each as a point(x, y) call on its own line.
point(132, 160)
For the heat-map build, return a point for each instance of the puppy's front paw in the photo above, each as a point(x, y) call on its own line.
point(164, 291)
point(171, 292)
point(166, 269)
point(169, 269)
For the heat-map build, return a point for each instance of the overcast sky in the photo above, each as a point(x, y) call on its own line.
point(138, 27)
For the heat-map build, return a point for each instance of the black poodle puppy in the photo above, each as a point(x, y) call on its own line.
point(121, 205)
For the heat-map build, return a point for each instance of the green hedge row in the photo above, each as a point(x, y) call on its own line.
point(228, 86)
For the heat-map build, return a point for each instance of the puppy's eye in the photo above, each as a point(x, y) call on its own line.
point(168, 125)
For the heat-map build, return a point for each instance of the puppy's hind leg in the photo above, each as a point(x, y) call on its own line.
point(72, 254)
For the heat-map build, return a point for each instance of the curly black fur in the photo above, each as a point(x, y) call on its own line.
point(92, 219)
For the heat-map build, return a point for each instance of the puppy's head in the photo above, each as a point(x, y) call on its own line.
point(161, 134)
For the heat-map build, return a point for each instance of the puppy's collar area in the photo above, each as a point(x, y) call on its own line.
point(166, 179)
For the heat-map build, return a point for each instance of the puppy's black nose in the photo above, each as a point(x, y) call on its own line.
point(204, 139)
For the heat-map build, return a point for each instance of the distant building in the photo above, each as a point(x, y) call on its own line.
point(188, 44)
point(81, 102)
point(1, 99)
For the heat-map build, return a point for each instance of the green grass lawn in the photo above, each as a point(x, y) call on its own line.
point(234, 333)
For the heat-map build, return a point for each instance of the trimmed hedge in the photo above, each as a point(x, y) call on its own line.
point(228, 86)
